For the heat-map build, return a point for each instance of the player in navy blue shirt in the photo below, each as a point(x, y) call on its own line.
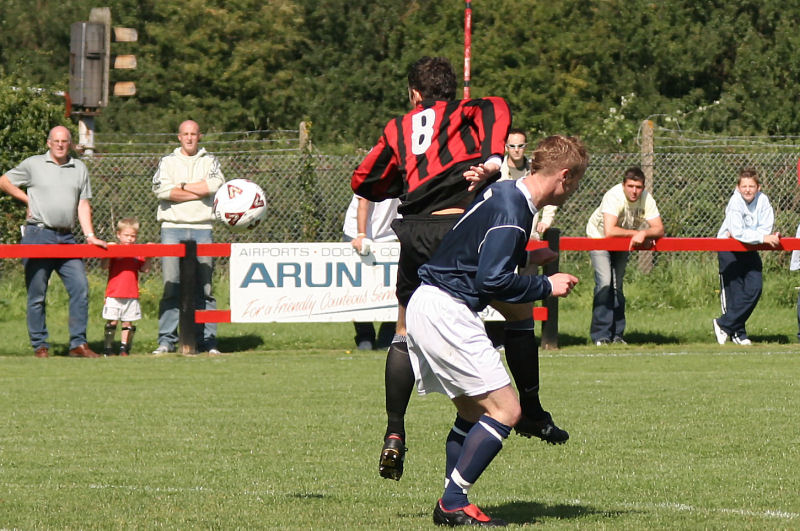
point(498, 226)
point(475, 265)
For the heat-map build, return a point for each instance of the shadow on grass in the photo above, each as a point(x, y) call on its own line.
point(522, 512)
point(634, 338)
point(567, 340)
point(772, 338)
point(653, 337)
point(307, 495)
point(58, 348)
point(240, 343)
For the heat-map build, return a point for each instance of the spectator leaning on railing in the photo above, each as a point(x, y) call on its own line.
point(57, 189)
point(795, 266)
point(748, 218)
point(626, 211)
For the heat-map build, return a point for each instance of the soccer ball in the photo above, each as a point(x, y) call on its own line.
point(240, 204)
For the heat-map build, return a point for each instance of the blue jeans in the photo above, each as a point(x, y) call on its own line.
point(798, 316)
point(169, 308)
point(608, 307)
point(37, 276)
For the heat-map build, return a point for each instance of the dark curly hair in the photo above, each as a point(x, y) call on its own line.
point(433, 77)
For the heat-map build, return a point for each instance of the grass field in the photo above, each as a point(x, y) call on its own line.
point(682, 438)
point(669, 432)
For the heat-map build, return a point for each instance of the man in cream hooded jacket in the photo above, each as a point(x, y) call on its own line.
point(185, 184)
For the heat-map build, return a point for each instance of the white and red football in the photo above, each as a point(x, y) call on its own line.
point(240, 204)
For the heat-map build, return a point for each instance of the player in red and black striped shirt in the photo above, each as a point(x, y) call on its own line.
point(422, 156)
point(435, 159)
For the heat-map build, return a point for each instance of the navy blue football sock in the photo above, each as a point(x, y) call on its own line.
point(522, 356)
point(455, 441)
point(481, 445)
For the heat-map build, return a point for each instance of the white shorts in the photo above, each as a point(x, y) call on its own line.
point(119, 309)
point(448, 347)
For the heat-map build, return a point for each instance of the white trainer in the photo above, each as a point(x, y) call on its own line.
point(162, 349)
point(741, 340)
point(722, 335)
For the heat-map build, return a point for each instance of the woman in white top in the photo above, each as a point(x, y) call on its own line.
point(748, 218)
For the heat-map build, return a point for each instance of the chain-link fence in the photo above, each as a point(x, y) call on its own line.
point(691, 190)
point(308, 193)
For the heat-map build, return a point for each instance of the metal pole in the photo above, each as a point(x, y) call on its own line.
point(86, 134)
point(187, 338)
point(550, 327)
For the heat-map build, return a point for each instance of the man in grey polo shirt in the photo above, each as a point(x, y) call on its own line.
point(56, 191)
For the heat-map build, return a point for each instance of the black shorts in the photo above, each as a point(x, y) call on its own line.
point(419, 236)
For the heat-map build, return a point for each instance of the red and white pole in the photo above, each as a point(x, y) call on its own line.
point(467, 45)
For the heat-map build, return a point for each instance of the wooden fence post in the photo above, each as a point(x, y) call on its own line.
point(304, 140)
point(648, 158)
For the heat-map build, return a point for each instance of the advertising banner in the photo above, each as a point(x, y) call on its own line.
point(313, 282)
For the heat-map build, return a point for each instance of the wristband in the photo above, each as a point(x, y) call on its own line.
point(183, 186)
point(361, 235)
point(90, 235)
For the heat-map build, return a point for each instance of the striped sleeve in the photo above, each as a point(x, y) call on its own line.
point(378, 177)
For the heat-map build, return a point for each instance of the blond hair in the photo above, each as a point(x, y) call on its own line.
point(128, 223)
point(558, 151)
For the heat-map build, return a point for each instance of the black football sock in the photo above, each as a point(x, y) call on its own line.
point(399, 381)
point(522, 355)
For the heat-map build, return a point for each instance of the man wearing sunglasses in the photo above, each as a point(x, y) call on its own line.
point(515, 164)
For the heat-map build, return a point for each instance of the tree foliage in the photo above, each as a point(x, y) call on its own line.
point(596, 68)
point(27, 116)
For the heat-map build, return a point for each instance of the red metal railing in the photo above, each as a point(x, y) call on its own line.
point(224, 249)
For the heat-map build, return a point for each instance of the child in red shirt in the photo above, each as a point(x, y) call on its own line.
point(122, 291)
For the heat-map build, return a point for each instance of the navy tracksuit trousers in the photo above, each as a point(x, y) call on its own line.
point(740, 288)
